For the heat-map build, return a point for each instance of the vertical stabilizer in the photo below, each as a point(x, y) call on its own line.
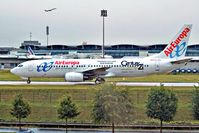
point(177, 48)
point(30, 51)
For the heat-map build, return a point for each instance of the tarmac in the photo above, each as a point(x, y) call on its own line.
point(175, 84)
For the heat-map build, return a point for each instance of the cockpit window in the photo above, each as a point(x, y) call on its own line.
point(20, 65)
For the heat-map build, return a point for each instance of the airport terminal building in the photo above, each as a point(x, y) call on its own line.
point(115, 50)
point(10, 57)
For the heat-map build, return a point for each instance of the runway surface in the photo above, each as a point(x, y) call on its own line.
point(156, 84)
point(44, 83)
point(93, 83)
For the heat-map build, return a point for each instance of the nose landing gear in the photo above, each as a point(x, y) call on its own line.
point(28, 81)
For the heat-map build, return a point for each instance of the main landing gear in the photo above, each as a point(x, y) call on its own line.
point(28, 81)
point(99, 80)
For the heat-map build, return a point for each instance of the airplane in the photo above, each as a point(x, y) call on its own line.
point(31, 55)
point(50, 10)
point(79, 70)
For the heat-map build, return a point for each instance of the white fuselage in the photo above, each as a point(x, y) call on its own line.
point(39, 57)
point(113, 67)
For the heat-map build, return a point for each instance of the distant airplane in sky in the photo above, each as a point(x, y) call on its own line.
point(50, 10)
point(78, 70)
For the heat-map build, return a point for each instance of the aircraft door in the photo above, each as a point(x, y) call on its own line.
point(30, 68)
point(157, 65)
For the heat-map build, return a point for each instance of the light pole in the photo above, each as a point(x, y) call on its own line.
point(47, 27)
point(103, 14)
point(30, 35)
point(47, 33)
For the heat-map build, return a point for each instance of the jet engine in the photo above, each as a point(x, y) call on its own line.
point(74, 77)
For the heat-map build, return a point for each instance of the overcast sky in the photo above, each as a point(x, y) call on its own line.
point(76, 21)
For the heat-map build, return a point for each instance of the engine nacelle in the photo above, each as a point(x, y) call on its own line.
point(74, 77)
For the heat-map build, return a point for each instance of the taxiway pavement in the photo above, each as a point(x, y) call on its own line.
point(176, 84)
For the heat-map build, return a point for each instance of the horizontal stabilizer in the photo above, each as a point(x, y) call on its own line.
point(181, 61)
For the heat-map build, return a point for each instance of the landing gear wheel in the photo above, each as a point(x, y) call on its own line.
point(28, 81)
point(99, 80)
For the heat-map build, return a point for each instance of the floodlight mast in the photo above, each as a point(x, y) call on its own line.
point(47, 33)
point(103, 14)
point(47, 27)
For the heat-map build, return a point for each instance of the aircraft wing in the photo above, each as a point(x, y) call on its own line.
point(181, 61)
point(96, 72)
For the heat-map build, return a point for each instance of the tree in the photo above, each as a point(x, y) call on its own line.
point(20, 109)
point(112, 106)
point(195, 103)
point(67, 110)
point(161, 104)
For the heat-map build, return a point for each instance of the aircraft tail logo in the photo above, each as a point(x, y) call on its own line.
point(178, 46)
point(30, 51)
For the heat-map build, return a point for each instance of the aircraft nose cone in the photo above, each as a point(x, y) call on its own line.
point(13, 70)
